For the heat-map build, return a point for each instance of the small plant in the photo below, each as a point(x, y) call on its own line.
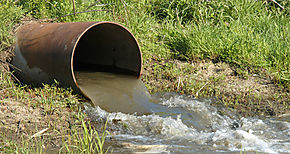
point(89, 141)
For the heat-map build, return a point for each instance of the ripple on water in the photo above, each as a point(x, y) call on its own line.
point(176, 123)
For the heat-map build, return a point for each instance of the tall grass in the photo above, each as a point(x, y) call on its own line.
point(10, 13)
point(248, 34)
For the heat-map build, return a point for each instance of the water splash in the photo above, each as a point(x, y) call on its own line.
point(207, 131)
point(175, 123)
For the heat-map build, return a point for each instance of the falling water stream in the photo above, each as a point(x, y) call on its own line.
point(172, 123)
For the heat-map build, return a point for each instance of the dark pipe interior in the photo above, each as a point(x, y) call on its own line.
point(108, 47)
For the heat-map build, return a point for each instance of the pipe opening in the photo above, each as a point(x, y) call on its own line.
point(107, 47)
point(86, 57)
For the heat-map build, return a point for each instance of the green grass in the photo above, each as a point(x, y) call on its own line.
point(246, 34)
point(252, 37)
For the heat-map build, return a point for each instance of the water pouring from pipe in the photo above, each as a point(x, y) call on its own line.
point(115, 92)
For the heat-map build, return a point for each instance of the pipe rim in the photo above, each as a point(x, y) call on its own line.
point(81, 35)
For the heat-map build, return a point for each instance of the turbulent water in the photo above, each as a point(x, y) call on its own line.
point(181, 124)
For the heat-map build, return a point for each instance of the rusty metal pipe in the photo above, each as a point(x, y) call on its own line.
point(46, 52)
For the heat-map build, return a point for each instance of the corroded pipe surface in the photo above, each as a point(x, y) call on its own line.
point(53, 51)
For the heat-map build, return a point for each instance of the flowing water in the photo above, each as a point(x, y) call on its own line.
point(176, 123)
point(115, 92)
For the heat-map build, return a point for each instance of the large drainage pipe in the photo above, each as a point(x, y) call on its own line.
point(46, 52)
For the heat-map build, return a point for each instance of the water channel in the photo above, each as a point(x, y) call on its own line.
point(172, 123)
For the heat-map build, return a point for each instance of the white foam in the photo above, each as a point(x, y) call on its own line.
point(253, 134)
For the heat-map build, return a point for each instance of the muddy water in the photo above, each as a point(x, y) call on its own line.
point(181, 124)
point(115, 92)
